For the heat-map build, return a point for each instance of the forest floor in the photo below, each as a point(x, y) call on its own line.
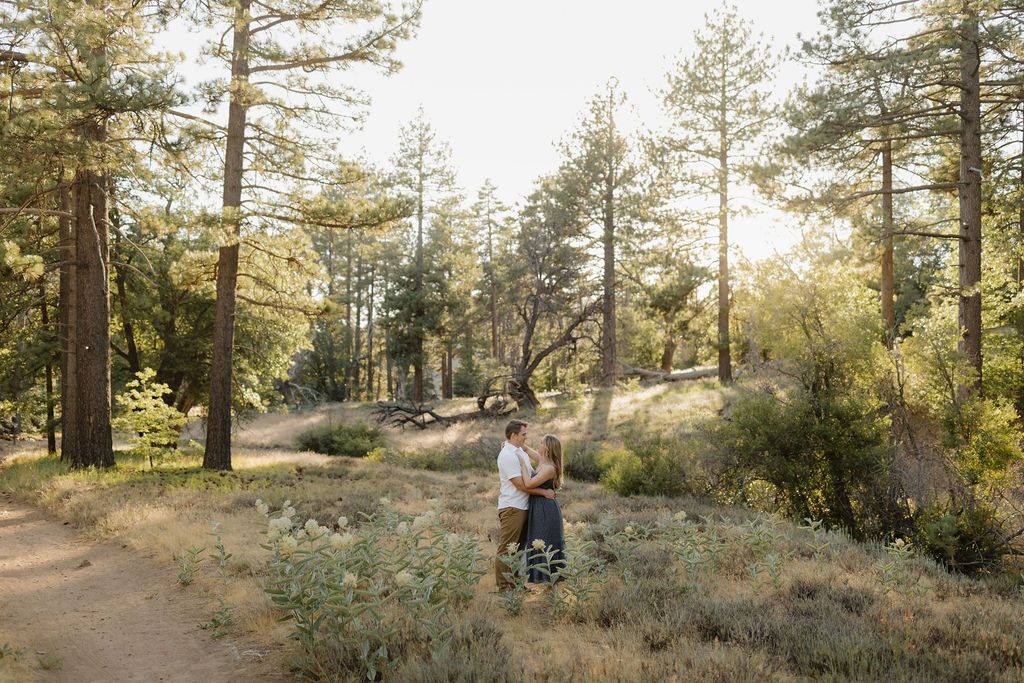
point(73, 609)
point(91, 593)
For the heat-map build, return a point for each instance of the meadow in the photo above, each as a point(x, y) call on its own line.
point(679, 587)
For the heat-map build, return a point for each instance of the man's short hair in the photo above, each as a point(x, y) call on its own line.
point(514, 427)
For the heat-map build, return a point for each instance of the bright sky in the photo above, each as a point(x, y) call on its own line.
point(502, 82)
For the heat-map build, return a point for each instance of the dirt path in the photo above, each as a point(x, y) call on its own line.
point(93, 611)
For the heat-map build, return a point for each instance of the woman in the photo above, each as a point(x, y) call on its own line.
point(544, 517)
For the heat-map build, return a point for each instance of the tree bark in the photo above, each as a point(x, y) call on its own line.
point(350, 332)
point(493, 303)
point(668, 354)
point(67, 316)
point(608, 350)
point(357, 331)
point(217, 455)
point(51, 433)
point(888, 276)
point(92, 306)
point(521, 392)
point(724, 355)
point(449, 378)
point(369, 335)
point(969, 310)
point(134, 365)
point(417, 386)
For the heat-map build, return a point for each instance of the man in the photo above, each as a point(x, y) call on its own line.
point(513, 498)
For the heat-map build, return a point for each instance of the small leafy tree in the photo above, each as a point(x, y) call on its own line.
point(153, 424)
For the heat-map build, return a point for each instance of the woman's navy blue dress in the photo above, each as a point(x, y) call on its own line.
point(544, 521)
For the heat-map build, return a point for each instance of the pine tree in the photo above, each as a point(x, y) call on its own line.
point(718, 101)
point(88, 74)
point(548, 288)
point(290, 48)
point(944, 53)
point(604, 177)
point(490, 214)
point(424, 175)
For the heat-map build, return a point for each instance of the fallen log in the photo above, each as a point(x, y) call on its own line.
point(400, 414)
point(658, 376)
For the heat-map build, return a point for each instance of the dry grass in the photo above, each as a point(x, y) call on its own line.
point(826, 619)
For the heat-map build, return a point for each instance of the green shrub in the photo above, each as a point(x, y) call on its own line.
point(968, 540)
point(647, 465)
point(363, 595)
point(153, 425)
point(355, 440)
point(582, 461)
point(477, 653)
point(478, 454)
point(823, 452)
point(982, 436)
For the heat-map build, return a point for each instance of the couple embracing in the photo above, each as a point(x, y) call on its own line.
point(527, 508)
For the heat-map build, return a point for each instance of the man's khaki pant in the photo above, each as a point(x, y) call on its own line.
point(513, 530)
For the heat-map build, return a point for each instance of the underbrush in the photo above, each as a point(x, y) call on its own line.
point(478, 454)
point(353, 440)
point(680, 587)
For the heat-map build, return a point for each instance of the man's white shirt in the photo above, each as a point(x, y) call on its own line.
point(508, 468)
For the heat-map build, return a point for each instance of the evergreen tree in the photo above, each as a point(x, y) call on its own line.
point(718, 102)
point(547, 285)
point(290, 48)
point(490, 214)
point(604, 177)
point(424, 175)
point(81, 86)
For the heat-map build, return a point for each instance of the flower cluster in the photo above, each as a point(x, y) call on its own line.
point(277, 527)
point(342, 541)
point(574, 528)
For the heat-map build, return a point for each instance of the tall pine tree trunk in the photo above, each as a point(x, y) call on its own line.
point(218, 423)
point(369, 336)
point(66, 323)
point(724, 355)
point(493, 303)
point(131, 348)
point(888, 277)
point(44, 314)
point(608, 351)
point(350, 333)
point(357, 332)
point(417, 386)
point(91, 329)
point(970, 199)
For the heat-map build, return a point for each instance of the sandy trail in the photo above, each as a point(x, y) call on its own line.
point(105, 612)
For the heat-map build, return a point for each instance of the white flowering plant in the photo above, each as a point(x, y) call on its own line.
point(361, 586)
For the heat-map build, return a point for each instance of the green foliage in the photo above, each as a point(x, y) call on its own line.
point(153, 425)
point(477, 652)
point(468, 378)
point(648, 466)
point(188, 564)
point(8, 650)
point(221, 618)
point(824, 455)
point(367, 595)
point(479, 454)
point(582, 460)
point(354, 441)
point(984, 437)
point(968, 539)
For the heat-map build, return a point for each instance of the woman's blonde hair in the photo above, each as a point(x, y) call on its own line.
point(554, 447)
